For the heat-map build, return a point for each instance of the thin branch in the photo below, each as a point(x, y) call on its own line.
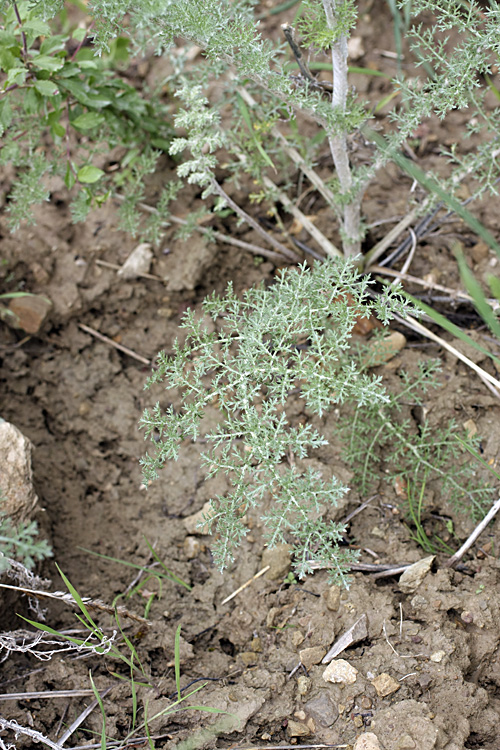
point(109, 341)
point(220, 236)
point(410, 322)
point(452, 561)
point(81, 718)
point(289, 254)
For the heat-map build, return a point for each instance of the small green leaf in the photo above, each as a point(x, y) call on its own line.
point(87, 120)
point(494, 284)
point(79, 34)
point(46, 62)
point(89, 174)
point(69, 177)
point(46, 88)
point(39, 27)
point(16, 76)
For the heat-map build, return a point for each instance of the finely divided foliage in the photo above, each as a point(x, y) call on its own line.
point(292, 336)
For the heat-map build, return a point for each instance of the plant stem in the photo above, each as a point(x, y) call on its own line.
point(338, 142)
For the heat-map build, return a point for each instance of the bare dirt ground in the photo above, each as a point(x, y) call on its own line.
point(428, 669)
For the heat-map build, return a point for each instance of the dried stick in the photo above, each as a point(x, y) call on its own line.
point(47, 694)
point(454, 293)
point(35, 736)
point(68, 599)
point(244, 586)
point(80, 719)
point(452, 561)
point(220, 236)
point(313, 230)
point(219, 190)
point(120, 347)
point(410, 322)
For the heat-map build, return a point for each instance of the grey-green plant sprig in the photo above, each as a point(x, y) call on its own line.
point(265, 346)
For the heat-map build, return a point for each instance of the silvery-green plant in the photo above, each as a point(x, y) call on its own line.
point(267, 348)
point(258, 89)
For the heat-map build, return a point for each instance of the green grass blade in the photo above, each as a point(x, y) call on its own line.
point(78, 599)
point(167, 570)
point(443, 322)
point(103, 713)
point(475, 291)
point(177, 661)
point(432, 186)
point(494, 284)
point(476, 455)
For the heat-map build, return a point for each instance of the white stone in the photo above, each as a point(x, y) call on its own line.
point(138, 262)
point(438, 656)
point(415, 574)
point(339, 670)
point(16, 479)
point(367, 741)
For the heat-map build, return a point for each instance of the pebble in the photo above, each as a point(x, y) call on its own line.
point(385, 685)
point(437, 656)
point(381, 351)
point(339, 670)
point(303, 684)
point(413, 576)
point(311, 656)
point(191, 522)
point(297, 638)
point(28, 313)
point(406, 743)
point(278, 559)
point(192, 547)
point(367, 741)
point(138, 262)
point(249, 658)
point(297, 729)
point(356, 633)
point(333, 598)
point(322, 710)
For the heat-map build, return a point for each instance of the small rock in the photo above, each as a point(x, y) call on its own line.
point(311, 656)
point(385, 685)
point(28, 313)
point(249, 658)
point(367, 741)
point(138, 262)
point(470, 427)
point(192, 547)
point(358, 721)
point(333, 598)
point(297, 729)
point(256, 645)
point(437, 656)
point(356, 633)
point(406, 743)
point(479, 252)
point(297, 638)
point(16, 479)
point(303, 684)
point(322, 710)
point(355, 47)
point(381, 351)
point(278, 559)
point(413, 576)
point(365, 702)
point(340, 670)
point(193, 524)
